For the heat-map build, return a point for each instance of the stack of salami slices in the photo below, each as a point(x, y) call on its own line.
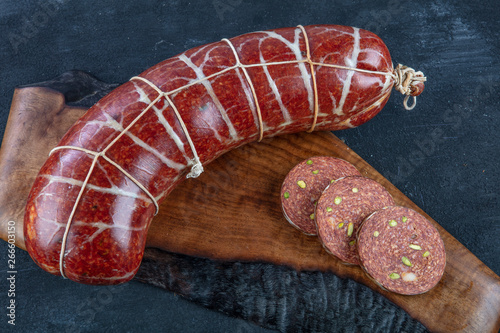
point(357, 221)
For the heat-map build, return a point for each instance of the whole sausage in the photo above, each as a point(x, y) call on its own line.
point(92, 202)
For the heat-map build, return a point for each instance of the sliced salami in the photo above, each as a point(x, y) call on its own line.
point(304, 184)
point(341, 209)
point(401, 250)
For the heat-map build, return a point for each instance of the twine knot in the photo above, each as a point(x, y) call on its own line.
point(409, 83)
point(196, 169)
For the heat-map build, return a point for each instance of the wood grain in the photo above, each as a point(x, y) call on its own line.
point(38, 118)
point(232, 212)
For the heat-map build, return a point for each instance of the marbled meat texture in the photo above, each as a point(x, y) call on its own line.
point(304, 184)
point(107, 236)
point(401, 250)
point(341, 209)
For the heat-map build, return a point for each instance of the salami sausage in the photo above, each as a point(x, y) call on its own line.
point(91, 204)
point(340, 210)
point(303, 186)
point(401, 250)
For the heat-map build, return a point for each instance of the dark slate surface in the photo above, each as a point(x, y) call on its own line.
point(443, 154)
point(276, 297)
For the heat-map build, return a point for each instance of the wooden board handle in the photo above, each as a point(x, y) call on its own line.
point(38, 118)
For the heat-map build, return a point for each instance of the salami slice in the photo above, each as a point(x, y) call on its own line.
point(401, 250)
point(304, 184)
point(341, 209)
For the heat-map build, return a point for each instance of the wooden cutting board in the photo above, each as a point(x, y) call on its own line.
point(232, 212)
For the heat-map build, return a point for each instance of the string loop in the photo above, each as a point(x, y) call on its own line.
point(407, 82)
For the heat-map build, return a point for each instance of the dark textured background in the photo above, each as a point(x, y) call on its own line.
point(443, 155)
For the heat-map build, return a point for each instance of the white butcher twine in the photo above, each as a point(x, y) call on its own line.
point(405, 78)
point(197, 167)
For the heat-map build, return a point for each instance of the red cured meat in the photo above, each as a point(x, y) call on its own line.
point(93, 196)
point(304, 184)
point(401, 250)
point(341, 209)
